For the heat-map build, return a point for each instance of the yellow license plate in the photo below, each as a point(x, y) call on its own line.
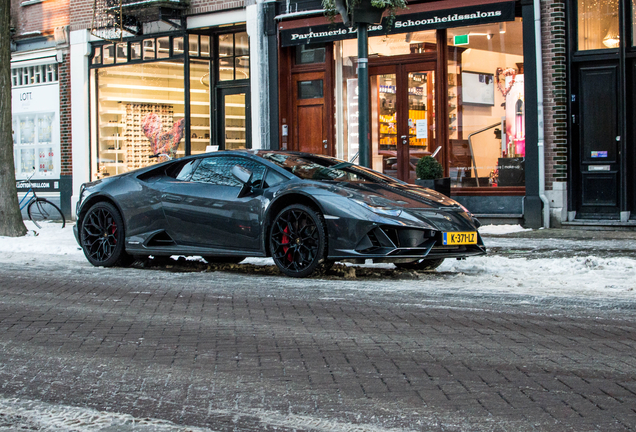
point(460, 238)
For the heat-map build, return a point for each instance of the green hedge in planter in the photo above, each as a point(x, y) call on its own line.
point(429, 168)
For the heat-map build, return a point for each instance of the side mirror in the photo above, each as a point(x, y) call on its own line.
point(242, 174)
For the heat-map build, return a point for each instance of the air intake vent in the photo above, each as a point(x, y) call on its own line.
point(160, 239)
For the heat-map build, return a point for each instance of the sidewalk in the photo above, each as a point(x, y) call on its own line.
point(561, 243)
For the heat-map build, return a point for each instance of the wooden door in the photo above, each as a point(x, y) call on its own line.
point(598, 142)
point(310, 121)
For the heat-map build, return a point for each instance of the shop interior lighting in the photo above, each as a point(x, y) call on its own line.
point(612, 39)
point(502, 27)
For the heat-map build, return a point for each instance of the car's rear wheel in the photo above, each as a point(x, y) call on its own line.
point(298, 240)
point(223, 259)
point(102, 236)
point(423, 264)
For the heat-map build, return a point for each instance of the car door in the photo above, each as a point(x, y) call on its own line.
point(206, 210)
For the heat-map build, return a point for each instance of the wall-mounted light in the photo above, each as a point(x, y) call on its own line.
point(502, 27)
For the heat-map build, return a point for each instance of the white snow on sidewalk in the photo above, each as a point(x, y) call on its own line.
point(28, 415)
point(501, 229)
point(589, 276)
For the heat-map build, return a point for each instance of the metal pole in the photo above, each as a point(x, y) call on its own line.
point(363, 95)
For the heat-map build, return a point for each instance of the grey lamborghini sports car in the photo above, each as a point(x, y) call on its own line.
point(305, 211)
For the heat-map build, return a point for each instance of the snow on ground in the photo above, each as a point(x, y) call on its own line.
point(501, 229)
point(21, 414)
point(587, 276)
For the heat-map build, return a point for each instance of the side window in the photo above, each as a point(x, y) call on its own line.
point(186, 170)
point(218, 170)
point(273, 178)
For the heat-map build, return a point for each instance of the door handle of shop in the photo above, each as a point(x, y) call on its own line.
point(324, 143)
point(403, 139)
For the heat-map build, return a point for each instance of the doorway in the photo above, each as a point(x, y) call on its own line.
point(402, 120)
point(309, 117)
point(233, 120)
point(598, 135)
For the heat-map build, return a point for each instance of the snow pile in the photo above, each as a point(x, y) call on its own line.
point(583, 276)
point(50, 242)
point(21, 414)
point(501, 229)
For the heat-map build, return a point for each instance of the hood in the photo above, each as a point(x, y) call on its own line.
point(395, 195)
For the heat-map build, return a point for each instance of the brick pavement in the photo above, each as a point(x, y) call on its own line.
point(236, 352)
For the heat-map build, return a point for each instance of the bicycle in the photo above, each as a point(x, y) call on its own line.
point(40, 209)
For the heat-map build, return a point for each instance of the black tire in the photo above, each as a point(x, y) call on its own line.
point(223, 259)
point(423, 264)
point(102, 236)
point(42, 210)
point(298, 240)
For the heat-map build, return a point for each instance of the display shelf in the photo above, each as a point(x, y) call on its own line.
point(149, 88)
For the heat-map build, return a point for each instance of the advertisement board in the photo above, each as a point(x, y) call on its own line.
point(36, 131)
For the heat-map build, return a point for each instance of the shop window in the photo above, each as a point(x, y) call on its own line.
point(122, 52)
point(597, 24)
point(177, 45)
point(194, 45)
point(200, 137)
point(234, 57)
point(149, 49)
point(109, 54)
point(135, 51)
point(310, 89)
point(486, 106)
point(310, 54)
point(97, 56)
point(140, 114)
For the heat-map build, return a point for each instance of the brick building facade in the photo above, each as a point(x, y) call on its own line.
point(36, 22)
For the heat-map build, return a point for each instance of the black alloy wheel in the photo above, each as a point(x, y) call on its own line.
point(102, 236)
point(422, 265)
point(298, 240)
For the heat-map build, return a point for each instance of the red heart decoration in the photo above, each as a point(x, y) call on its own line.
point(500, 77)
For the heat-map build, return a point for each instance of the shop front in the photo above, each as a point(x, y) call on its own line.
point(446, 79)
point(164, 96)
point(602, 90)
point(36, 126)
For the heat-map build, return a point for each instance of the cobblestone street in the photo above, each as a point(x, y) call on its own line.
point(228, 351)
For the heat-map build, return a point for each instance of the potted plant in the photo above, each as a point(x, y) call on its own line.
point(361, 11)
point(430, 174)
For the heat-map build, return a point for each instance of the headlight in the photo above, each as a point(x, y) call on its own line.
point(384, 210)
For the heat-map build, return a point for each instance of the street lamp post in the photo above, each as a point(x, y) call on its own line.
point(363, 95)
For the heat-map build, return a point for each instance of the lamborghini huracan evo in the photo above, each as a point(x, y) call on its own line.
point(305, 211)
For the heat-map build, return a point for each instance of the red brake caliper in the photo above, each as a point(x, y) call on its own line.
point(285, 239)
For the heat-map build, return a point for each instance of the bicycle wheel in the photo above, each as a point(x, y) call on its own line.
point(42, 210)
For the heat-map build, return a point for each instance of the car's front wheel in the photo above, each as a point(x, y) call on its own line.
point(423, 264)
point(298, 240)
point(102, 236)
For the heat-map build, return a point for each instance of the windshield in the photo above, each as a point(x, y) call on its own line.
point(319, 168)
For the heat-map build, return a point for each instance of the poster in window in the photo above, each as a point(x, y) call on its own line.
point(478, 88)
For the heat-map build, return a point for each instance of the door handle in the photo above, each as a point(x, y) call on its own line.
point(404, 141)
point(324, 143)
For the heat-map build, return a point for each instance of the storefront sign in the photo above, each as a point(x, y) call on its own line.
point(38, 185)
point(457, 17)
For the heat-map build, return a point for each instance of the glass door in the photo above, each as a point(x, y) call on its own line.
point(402, 118)
point(421, 120)
point(383, 125)
point(234, 119)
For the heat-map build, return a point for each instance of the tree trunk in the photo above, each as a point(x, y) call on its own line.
point(10, 217)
